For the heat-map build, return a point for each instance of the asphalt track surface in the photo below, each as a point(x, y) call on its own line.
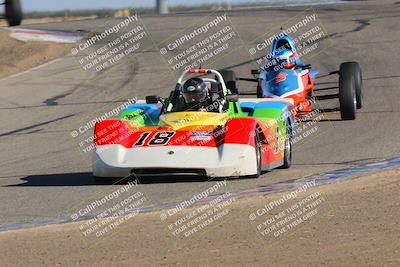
point(45, 175)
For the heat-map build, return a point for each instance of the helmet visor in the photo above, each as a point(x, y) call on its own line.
point(194, 96)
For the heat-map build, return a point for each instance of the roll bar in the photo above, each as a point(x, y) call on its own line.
point(199, 71)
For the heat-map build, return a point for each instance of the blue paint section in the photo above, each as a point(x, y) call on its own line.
point(278, 39)
point(145, 107)
point(280, 87)
point(313, 73)
point(266, 105)
point(322, 179)
point(152, 112)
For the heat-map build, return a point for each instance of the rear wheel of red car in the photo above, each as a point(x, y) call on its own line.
point(257, 142)
point(287, 156)
point(358, 84)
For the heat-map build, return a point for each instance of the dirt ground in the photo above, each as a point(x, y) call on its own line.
point(17, 56)
point(357, 225)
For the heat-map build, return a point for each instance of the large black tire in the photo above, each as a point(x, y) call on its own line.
point(259, 91)
point(287, 156)
point(347, 90)
point(13, 12)
point(230, 80)
point(358, 83)
point(257, 141)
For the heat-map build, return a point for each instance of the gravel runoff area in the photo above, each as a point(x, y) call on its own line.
point(17, 56)
point(357, 225)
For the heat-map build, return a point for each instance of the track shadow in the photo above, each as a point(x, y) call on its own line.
point(171, 179)
point(320, 83)
point(327, 110)
point(17, 131)
point(326, 97)
point(59, 179)
point(86, 179)
point(324, 120)
point(175, 179)
point(326, 88)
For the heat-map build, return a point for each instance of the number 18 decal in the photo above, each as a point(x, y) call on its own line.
point(159, 139)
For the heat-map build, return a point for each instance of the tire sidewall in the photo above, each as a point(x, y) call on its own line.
point(347, 91)
point(257, 141)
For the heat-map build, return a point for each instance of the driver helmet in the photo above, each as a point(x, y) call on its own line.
point(194, 91)
point(286, 58)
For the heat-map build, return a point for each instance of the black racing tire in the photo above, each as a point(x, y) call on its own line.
point(13, 12)
point(259, 91)
point(358, 83)
point(347, 91)
point(230, 80)
point(287, 155)
point(257, 141)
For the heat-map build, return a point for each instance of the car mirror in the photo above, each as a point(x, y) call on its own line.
point(232, 98)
